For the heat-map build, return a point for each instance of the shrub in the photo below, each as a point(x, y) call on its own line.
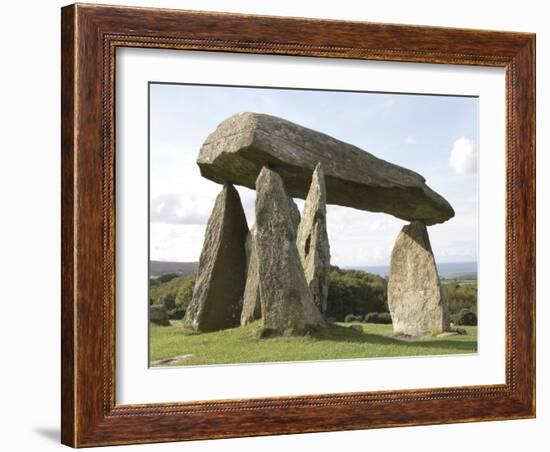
point(378, 317)
point(355, 292)
point(167, 277)
point(185, 291)
point(169, 301)
point(174, 294)
point(177, 313)
point(465, 317)
point(460, 296)
point(352, 318)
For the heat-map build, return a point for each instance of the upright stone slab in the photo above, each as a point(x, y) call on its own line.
point(287, 303)
point(313, 242)
point(218, 292)
point(252, 308)
point(415, 297)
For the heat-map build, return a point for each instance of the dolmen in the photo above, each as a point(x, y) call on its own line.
point(278, 271)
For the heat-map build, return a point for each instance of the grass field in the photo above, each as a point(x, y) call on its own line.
point(177, 345)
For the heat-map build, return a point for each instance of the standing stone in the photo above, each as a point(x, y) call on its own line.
point(252, 308)
point(415, 297)
point(313, 242)
point(287, 303)
point(218, 291)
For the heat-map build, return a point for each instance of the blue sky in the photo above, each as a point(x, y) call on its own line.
point(432, 135)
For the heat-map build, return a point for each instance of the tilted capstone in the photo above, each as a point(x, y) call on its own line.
point(286, 302)
point(312, 240)
point(246, 142)
point(218, 292)
point(415, 298)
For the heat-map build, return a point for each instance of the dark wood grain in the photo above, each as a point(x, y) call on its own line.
point(67, 226)
point(90, 36)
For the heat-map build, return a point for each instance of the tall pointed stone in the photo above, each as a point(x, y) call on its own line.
point(313, 242)
point(287, 303)
point(252, 308)
point(218, 291)
point(415, 297)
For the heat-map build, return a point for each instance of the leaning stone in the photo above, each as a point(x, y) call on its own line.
point(252, 308)
point(313, 242)
point(415, 297)
point(246, 142)
point(287, 303)
point(218, 292)
point(158, 315)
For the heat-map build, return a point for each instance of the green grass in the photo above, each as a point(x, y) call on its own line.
point(243, 345)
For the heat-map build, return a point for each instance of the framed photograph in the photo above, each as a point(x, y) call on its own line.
point(281, 225)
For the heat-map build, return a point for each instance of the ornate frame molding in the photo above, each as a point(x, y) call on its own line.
point(90, 36)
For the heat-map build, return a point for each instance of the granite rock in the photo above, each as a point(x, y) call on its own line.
point(244, 143)
point(415, 298)
point(158, 315)
point(252, 307)
point(221, 275)
point(312, 240)
point(286, 301)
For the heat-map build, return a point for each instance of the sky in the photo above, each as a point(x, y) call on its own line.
point(436, 136)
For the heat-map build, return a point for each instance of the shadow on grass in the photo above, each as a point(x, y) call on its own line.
point(345, 334)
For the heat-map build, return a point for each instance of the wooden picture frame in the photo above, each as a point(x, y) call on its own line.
point(90, 36)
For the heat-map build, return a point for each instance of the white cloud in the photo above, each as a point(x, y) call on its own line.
point(463, 158)
point(359, 238)
point(181, 199)
point(185, 208)
point(182, 242)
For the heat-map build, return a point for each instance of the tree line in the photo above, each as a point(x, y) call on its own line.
point(353, 295)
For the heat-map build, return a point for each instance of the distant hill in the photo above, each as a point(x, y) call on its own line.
point(463, 276)
point(157, 268)
point(445, 269)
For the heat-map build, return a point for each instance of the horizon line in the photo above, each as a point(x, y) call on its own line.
point(337, 265)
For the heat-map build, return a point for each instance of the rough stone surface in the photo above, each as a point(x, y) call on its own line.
point(415, 297)
point(246, 142)
point(313, 242)
point(287, 303)
point(294, 214)
point(252, 308)
point(218, 291)
point(158, 315)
